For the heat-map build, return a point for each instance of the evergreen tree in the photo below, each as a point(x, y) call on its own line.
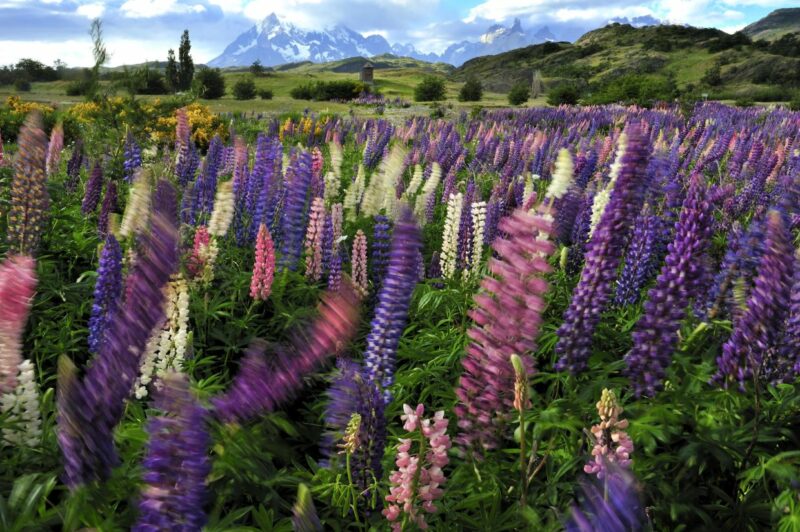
point(171, 72)
point(186, 71)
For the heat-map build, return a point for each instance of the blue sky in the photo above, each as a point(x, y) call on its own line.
point(139, 30)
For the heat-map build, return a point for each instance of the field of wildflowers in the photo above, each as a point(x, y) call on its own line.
point(581, 318)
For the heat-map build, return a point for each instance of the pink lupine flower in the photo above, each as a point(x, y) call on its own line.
point(197, 259)
point(316, 162)
point(264, 267)
point(417, 481)
point(54, 148)
point(313, 243)
point(17, 283)
point(612, 445)
point(359, 263)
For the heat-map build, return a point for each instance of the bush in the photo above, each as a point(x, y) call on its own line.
point(152, 82)
point(78, 87)
point(329, 90)
point(437, 111)
point(209, 83)
point(794, 104)
point(244, 89)
point(471, 91)
point(519, 93)
point(564, 94)
point(430, 89)
point(636, 89)
point(22, 85)
point(744, 102)
point(265, 94)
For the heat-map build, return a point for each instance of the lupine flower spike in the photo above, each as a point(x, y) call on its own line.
point(612, 445)
point(264, 266)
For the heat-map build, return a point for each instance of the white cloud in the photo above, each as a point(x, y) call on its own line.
point(91, 11)
point(157, 8)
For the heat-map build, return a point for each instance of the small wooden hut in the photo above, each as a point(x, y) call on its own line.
point(367, 72)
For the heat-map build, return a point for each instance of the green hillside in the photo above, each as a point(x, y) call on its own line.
point(688, 60)
point(775, 25)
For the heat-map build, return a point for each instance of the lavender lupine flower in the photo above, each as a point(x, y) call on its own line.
point(608, 505)
point(90, 408)
point(656, 334)
point(94, 187)
point(352, 393)
point(788, 354)
point(176, 461)
point(293, 219)
point(108, 206)
point(379, 259)
point(757, 329)
point(74, 166)
point(394, 298)
point(603, 255)
point(640, 260)
point(261, 384)
point(133, 157)
point(29, 199)
point(107, 292)
point(507, 317)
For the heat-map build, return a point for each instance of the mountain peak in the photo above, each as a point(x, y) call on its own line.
point(517, 26)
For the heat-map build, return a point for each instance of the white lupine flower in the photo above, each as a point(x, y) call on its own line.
point(562, 176)
point(332, 184)
point(603, 196)
point(428, 189)
point(222, 215)
point(337, 157)
point(413, 185)
point(449, 254)
point(138, 207)
point(22, 407)
point(478, 228)
point(354, 194)
point(380, 193)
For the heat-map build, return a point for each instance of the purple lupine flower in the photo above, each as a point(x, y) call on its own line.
point(506, 318)
point(107, 292)
point(350, 393)
point(580, 235)
point(74, 166)
point(789, 357)
point(109, 205)
point(394, 298)
point(293, 221)
point(603, 255)
point(608, 505)
point(90, 408)
point(640, 260)
point(165, 201)
point(656, 334)
point(94, 187)
point(133, 157)
point(723, 281)
point(261, 384)
point(335, 272)
point(176, 461)
point(379, 259)
point(757, 329)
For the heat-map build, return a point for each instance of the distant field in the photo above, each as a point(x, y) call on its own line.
point(391, 83)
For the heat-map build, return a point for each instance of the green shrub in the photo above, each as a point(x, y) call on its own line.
point(519, 93)
point(437, 111)
point(430, 89)
point(564, 94)
point(244, 89)
point(329, 90)
point(744, 102)
point(471, 91)
point(794, 103)
point(265, 94)
point(209, 83)
point(22, 85)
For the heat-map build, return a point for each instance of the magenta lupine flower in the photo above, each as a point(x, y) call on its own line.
point(316, 162)
point(90, 408)
point(656, 334)
point(757, 330)
point(176, 462)
point(264, 266)
point(197, 260)
point(313, 241)
point(17, 283)
point(506, 321)
point(603, 255)
point(54, 148)
point(358, 264)
point(262, 384)
point(417, 482)
point(30, 201)
point(612, 445)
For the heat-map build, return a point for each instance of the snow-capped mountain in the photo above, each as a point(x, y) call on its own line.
point(276, 42)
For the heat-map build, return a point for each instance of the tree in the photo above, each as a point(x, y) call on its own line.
point(430, 89)
point(186, 67)
point(537, 84)
point(564, 94)
point(257, 69)
point(100, 57)
point(519, 93)
point(244, 89)
point(713, 76)
point(171, 71)
point(471, 91)
point(210, 83)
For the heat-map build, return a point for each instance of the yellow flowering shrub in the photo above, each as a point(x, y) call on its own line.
point(203, 122)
